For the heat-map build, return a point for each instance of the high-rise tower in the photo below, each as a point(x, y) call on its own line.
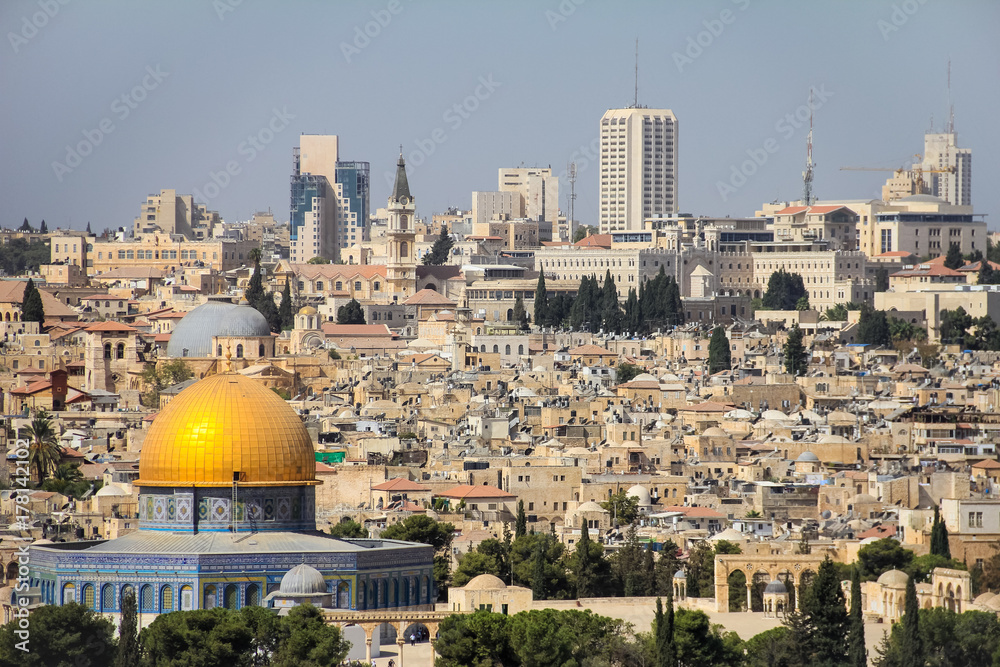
point(638, 167)
point(400, 272)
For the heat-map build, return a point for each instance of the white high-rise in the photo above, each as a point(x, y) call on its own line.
point(638, 167)
point(948, 168)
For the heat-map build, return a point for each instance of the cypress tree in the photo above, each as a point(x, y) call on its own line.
point(663, 633)
point(128, 635)
point(826, 617)
point(519, 316)
point(88, 227)
point(43, 228)
point(632, 319)
point(719, 356)
point(584, 565)
point(538, 583)
point(521, 525)
point(856, 652)
point(649, 569)
point(912, 653)
point(796, 361)
point(541, 302)
point(954, 259)
point(285, 309)
point(939, 536)
point(31, 306)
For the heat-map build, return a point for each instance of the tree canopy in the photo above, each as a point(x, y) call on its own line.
point(783, 291)
point(796, 356)
point(32, 309)
point(441, 250)
point(351, 313)
point(719, 356)
point(60, 636)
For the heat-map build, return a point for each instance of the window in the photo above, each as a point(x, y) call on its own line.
point(975, 519)
point(357, 285)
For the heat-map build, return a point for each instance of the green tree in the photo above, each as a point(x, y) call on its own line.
point(547, 637)
point(318, 260)
point(441, 250)
point(128, 634)
point(521, 523)
point(881, 556)
point(611, 311)
point(700, 644)
point(203, 637)
point(25, 227)
point(953, 259)
point(422, 528)
point(857, 654)
point(60, 636)
point(67, 480)
point(719, 356)
point(663, 631)
point(796, 357)
point(802, 303)
point(583, 564)
point(542, 302)
point(873, 327)
point(348, 529)
point(939, 536)
point(666, 566)
point(626, 371)
point(539, 582)
point(43, 228)
point(701, 571)
point(539, 557)
point(783, 291)
point(254, 293)
point(912, 653)
point(351, 313)
point(19, 256)
point(624, 508)
point(44, 451)
point(821, 628)
point(582, 232)
point(473, 564)
point(772, 648)
point(32, 309)
point(882, 280)
point(285, 308)
point(519, 316)
point(157, 377)
point(481, 639)
point(307, 640)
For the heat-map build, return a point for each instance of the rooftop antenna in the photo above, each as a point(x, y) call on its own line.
point(807, 175)
point(951, 107)
point(572, 197)
point(635, 103)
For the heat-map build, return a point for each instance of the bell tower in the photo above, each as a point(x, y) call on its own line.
point(401, 266)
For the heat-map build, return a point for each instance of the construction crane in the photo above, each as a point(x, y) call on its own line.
point(917, 169)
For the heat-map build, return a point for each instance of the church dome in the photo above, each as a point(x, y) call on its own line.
point(224, 424)
point(192, 336)
point(893, 579)
point(303, 580)
point(307, 310)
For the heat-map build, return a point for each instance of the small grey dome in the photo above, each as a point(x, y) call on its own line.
point(776, 587)
point(808, 457)
point(303, 580)
point(679, 574)
point(215, 318)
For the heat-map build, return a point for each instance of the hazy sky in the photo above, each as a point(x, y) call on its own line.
point(106, 102)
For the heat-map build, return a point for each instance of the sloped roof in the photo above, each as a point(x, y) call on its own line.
point(466, 491)
point(428, 297)
point(399, 484)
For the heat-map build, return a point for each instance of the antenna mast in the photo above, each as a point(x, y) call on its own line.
point(635, 104)
point(807, 175)
point(572, 198)
point(951, 107)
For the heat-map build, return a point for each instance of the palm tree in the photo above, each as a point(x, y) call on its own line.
point(44, 446)
point(255, 256)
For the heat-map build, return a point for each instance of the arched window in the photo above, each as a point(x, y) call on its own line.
point(319, 286)
point(166, 599)
point(120, 351)
point(253, 595)
point(506, 349)
point(146, 599)
point(404, 249)
point(377, 286)
point(38, 343)
point(231, 597)
point(260, 350)
point(520, 349)
point(239, 351)
point(403, 221)
point(219, 353)
point(210, 597)
point(187, 598)
point(107, 350)
point(108, 598)
point(126, 590)
point(69, 593)
point(88, 596)
point(496, 349)
point(338, 286)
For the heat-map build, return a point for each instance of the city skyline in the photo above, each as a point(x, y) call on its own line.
point(222, 120)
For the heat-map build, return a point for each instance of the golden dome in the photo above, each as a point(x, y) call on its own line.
point(224, 424)
point(307, 310)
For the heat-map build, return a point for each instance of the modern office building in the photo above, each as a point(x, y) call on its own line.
point(353, 204)
point(948, 168)
point(539, 192)
point(489, 205)
point(313, 218)
point(638, 167)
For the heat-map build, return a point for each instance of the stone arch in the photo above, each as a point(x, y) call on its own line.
point(12, 570)
point(417, 630)
point(759, 581)
point(737, 585)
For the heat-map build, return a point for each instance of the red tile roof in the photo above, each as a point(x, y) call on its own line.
point(399, 484)
point(110, 326)
point(466, 491)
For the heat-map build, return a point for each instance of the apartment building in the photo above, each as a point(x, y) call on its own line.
point(167, 252)
point(538, 190)
point(638, 178)
point(948, 168)
point(171, 213)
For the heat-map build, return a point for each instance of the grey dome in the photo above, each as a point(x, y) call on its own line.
point(680, 574)
point(776, 587)
point(808, 457)
point(216, 318)
point(303, 580)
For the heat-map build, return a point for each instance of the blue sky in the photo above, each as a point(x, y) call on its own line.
point(170, 94)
